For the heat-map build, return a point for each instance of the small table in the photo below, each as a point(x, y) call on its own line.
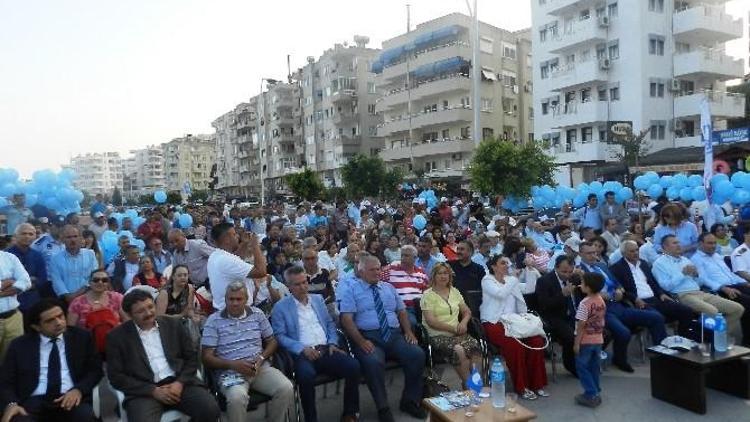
point(486, 413)
point(681, 379)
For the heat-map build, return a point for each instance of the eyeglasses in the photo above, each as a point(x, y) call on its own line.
point(100, 280)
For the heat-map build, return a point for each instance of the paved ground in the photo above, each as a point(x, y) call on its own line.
point(627, 397)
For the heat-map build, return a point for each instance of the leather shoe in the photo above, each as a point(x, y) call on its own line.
point(624, 366)
point(412, 409)
point(349, 418)
point(385, 415)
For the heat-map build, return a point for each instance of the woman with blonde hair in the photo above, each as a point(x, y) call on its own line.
point(446, 318)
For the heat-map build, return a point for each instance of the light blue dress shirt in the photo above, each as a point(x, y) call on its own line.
point(71, 272)
point(11, 268)
point(713, 271)
point(715, 214)
point(355, 297)
point(667, 271)
point(686, 233)
point(589, 217)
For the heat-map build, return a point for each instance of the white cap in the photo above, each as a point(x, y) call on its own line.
point(492, 233)
point(573, 243)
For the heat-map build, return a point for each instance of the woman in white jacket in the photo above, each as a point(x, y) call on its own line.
point(502, 295)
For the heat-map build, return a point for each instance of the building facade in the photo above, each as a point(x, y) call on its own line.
point(98, 173)
point(143, 172)
point(647, 64)
point(237, 174)
point(338, 104)
point(188, 161)
point(424, 78)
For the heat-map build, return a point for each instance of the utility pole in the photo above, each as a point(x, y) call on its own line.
point(476, 74)
point(408, 90)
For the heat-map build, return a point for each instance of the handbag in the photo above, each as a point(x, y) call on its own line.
point(433, 385)
point(521, 326)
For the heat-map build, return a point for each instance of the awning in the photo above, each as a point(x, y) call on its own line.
point(490, 76)
point(428, 38)
point(391, 55)
point(443, 66)
point(377, 67)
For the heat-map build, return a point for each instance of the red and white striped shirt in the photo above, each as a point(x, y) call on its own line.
point(409, 286)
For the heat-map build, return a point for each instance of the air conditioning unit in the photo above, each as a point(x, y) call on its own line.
point(457, 157)
point(605, 63)
point(604, 21)
point(674, 85)
point(515, 89)
point(526, 88)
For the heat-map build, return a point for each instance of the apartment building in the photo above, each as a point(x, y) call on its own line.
point(188, 161)
point(237, 162)
point(98, 173)
point(645, 63)
point(424, 78)
point(338, 106)
point(143, 172)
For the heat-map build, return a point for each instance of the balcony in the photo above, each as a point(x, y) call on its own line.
point(578, 152)
point(578, 74)
point(427, 149)
point(688, 141)
point(340, 118)
point(708, 63)
point(723, 105)
point(567, 7)
point(422, 120)
point(581, 33)
point(429, 88)
point(431, 55)
point(575, 113)
point(344, 95)
point(705, 23)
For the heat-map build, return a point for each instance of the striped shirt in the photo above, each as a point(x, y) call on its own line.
point(236, 338)
point(408, 285)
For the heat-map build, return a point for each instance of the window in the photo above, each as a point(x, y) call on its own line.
point(371, 87)
point(585, 95)
point(570, 135)
point(600, 11)
point(487, 104)
point(614, 50)
point(509, 51)
point(656, 5)
point(612, 9)
point(658, 130)
point(465, 132)
point(445, 104)
point(602, 134)
point(545, 71)
point(545, 108)
point(543, 35)
point(531, 112)
point(446, 134)
point(602, 94)
point(614, 93)
point(656, 45)
point(372, 131)
point(488, 133)
point(585, 14)
point(371, 108)
point(509, 78)
point(485, 45)
point(587, 134)
point(601, 52)
point(656, 89)
point(570, 59)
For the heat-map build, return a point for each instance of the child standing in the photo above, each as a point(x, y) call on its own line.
point(589, 339)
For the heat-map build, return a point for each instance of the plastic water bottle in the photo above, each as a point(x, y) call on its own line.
point(497, 377)
point(720, 333)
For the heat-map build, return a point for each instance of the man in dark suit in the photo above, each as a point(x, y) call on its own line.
point(48, 374)
point(154, 362)
point(556, 302)
point(642, 289)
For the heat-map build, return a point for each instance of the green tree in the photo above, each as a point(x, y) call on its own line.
point(391, 180)
point(117, 197)
point(630, 148)
point(199, 195)
point(305, 184)
point(363, 176)
point(174, 198)
point(501, 167)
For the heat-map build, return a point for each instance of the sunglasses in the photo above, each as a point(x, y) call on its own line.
point(100, 280)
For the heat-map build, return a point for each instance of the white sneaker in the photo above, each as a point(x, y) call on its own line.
point(541, 393)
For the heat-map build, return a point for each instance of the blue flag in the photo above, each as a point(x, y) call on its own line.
point(475, 380)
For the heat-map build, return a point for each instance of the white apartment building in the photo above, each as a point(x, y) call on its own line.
point(338, 104)
point(427, 121)
point(645, 62)
point(143, 172)
point(280, 134)
point(188, 161)
point(98, 173)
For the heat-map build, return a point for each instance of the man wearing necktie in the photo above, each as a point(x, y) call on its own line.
point(49, 374)
point(374, 318)
point(621, 317)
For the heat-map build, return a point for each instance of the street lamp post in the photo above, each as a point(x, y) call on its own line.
point(260, 109)
point(476, 70)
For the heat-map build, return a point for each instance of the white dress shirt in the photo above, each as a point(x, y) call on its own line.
point(311, 333)
point(157, 360)
point(44, 350)
point(501, 298)
point(641, 284)
point(11, 268)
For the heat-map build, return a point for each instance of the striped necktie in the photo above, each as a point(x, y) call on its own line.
point(385, 329)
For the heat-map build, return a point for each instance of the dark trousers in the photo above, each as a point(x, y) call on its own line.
point(562, 332)
point(687, 320)
point(409, 356)
point(338, 365)
point(196, 402)
point(620, 319)
point(41, 409)
point(744, 300)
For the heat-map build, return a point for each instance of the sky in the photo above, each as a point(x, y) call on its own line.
point(102, 75)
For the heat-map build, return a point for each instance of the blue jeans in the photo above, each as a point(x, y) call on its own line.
point(620, 319)
point(409, 356)
point(339, 365)
point(587, 367)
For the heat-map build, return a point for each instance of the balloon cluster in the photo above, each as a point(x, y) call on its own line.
point(109, 244)
point(677, 187)
point(52, 190)
point(429, 198)
point(547, 196)
point(514, 204)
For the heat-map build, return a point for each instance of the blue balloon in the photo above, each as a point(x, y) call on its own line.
point(695, 180)
point(680, 180)
point(548, 193)
point(665, 181)
point(716, 178)
point(641, 183)
point(535, 190)
point(740, 197)
point(7, 189)
point(419, 222)
point(3, 202)
point(673, 193)
point(186, 220)
point(160, 197)
point(724, 188)
point(686, 194)
point(131, 213)
point(652, 176)
point(624, 194)
point(579, 200)
point(736, 177)
point(595, 186)
point(699, 193)
point(654, 191)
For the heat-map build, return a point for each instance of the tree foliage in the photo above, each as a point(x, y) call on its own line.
point(199, 195)
point(117, 197)
point(501, 167)
point(632, 147)
point(367, 176)
point(305, 184)
point(174, 198)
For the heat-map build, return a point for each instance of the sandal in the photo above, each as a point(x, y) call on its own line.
point(528, 395)
point(541, 393)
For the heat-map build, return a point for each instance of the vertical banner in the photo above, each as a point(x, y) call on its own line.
point(707, 134)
